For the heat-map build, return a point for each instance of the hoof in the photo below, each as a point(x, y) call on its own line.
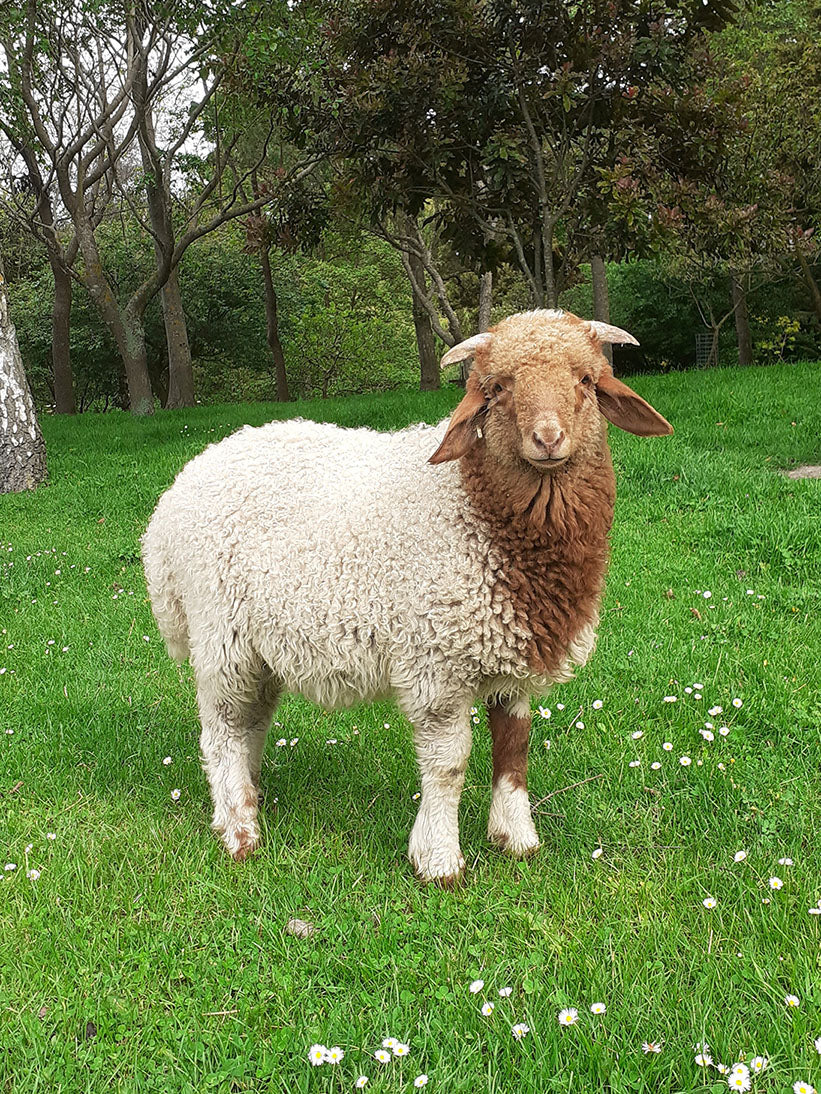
point(241, 842)
point(443, 869)
point(517, 845)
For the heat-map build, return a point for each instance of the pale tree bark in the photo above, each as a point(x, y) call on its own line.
point(601, 298)
point(272, 328)
point(742, 321)
point(22, 450)
point(485, 300)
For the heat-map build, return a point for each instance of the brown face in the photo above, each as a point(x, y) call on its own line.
point(542, 407)
point(536, 395)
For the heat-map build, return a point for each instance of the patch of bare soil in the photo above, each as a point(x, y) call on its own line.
point(807, 471)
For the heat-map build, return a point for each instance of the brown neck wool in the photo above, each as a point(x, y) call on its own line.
point(551, 532)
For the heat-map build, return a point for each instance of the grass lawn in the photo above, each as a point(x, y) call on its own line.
point(143, 959)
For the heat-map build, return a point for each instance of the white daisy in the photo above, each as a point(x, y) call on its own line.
point(175, 794)
point(737, 703)
point(33, 875)
point(722, 1069)
point(317, 1054)
point(802, 1087)
point(167, 761)
point(400, 1049)
point(334, 1055)
point(476, 986)
point(668, 746)
point(785, 862)
point(634, 763)
point(792, 1000)
point(505, 992)
point(737, 1081)
point(637, 735)
point(360, 1082)
point(758, 1064)
point(685, 761)
point(382, 1056)
point(724, 731)
point(597, 1008)
point(519, 1030)
point(651, 1047)
point(713, 711)
point(655, 765)
point(740, 1069)
point(669, 699)
point(487, 1009)
point(709, 902)
point(707, 734)
point(544, 711)
point(568, 1017)
point(420, 1081)
point(739, 856)
point(597, 704)
point(703, 1059)
point(389, 1042)
point(776, 883)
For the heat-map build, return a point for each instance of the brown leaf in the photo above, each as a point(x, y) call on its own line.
point(42, 1012)
point(91, 1030)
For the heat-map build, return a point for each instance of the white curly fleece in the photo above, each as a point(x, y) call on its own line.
point(340, 565)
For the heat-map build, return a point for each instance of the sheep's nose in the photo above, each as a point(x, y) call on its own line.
point(548, 439)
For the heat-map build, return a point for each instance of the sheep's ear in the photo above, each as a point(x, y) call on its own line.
point(463, 430)
point(463, 350)
point(621, 406)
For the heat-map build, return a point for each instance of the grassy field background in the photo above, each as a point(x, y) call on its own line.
point(142, 959)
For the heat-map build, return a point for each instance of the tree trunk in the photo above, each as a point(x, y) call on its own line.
point(22, 450)
point(180, 371)
point(601, 298)
point(812, 284)
point(272, 328)
point(429, 374)
point(60, 334)
point(485, 300)
point(742, 322)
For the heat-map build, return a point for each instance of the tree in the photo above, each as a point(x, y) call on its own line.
point(22, 449)
point(506, 113)
point(83, 81)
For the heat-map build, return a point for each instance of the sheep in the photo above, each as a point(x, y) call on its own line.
point(440, 565)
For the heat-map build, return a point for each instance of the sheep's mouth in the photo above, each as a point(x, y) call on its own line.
point(544, 463)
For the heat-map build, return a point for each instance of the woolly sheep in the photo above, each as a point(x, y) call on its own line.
point(439, 565)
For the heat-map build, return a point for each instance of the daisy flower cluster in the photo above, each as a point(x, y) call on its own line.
point(739, 1076)
point(518, 1029)
point(391, 1049)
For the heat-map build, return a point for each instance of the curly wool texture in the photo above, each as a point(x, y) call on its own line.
point(347, 565)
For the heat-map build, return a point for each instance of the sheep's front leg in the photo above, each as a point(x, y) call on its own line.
point(511, 825)
point(231, 743)
point(442, 749)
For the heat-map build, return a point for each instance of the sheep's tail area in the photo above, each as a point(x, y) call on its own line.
point(166, 603)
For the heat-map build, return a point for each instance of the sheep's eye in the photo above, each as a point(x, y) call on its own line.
point(497, 388)
point(586, 381)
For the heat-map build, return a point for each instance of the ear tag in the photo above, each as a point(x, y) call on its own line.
point(479, 432)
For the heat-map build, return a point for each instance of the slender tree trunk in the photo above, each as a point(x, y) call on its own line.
point(126, 328)
point(60, 334)
point(272, 328)
point(180, 371)
point(429, 374)
point(22, 450)
point(812, 284)
point(485, 300)
point(742, 322)
point(601, 298)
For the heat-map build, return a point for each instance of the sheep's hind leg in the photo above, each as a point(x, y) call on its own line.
point(234, 727)
point(510, 825)
point(443, 741)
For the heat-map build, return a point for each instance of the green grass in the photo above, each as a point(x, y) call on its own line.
point(144, 960)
